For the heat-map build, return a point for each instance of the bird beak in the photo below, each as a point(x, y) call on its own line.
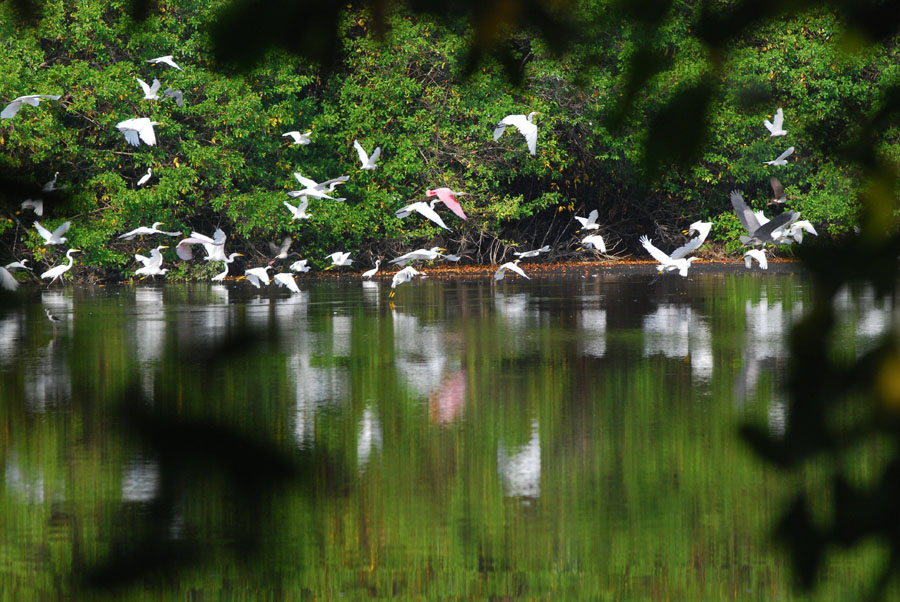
point(76, 250)
point(163, 246)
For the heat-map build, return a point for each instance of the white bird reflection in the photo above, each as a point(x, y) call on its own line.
point(10, 336)
point(315, 386)
point(520, 469)
point(420, 353)
point(28, 487)
point(370, 292)
point(592, 327)
point(677, 331)
point(864, 313)
point(149, 334)
point(140, 482)
point(47, 381)
point(368, 438)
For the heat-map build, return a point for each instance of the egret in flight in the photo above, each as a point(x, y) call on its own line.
point(512, 265)
point(594, 241)
point(338, 259)
point(782, 158)
point(525, 126)
point(403, 276)
point(759, 255)
point(33, 99)
point(153, 264)
point(448, 197)
point(137, 129)
point(255, 275)
point(534, 253)
point(419, 254)
point(7, 281)
point(666, 262)
point(316, 190)
point(18, 265)
point(221, 275)
point(214, 247)
point(589, 222)
point(284, 279)
point(165, 60)
point(297, 137)
point(36, 205)
point(58, 271)
point(424, 209)
point(298, 212)
point(150, 91)
point(702, 229)
point(367, 161)
point(280, 251)
point(54, 238)
point(775, 126)
point(300, 266)
point(145, 231)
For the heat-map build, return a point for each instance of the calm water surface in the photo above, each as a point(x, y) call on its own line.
point(543, 439)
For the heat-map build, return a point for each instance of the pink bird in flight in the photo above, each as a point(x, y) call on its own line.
point(448, 197)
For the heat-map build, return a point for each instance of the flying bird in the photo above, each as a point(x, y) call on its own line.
point(666, 262)
point(758, 233)
point(284, 279)
point(534, 253)
point(403, 276)
point(448, 197)
point(145, 231)
point(255, 275)
point(153, 264)
point(524, 125)
point(7, 281)
point(228, 260)
point(778, 196)
point(419, 254)
point(18, 265)
point(51, 185)
point(146, 177)
point(782, 158)
point(589, 222)
point(298, 138)
point(338, 259)
point(774, 126)
point(759, 255)
point(298, 212)
point(137, 129)
point(512, 265)
point(214, 247)
point(36, 205)
point(300, 266)
point(54, 238)
point(594, 241)
point(280, 251)
point(702, 229)
point(315, 189)
point(58, 271)
point(177, 95)
point(33, 99)
point(424, 209)
point(150, 91)
point(166, 60)
point(367, 161)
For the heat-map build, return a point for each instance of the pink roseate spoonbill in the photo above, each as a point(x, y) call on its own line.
point(33, 99)
point(525, 126)
point(448, 197)
point(775, 126)
point(215, 246)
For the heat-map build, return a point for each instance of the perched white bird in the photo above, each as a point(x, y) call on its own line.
point(782, 158)
point(137, 129)
point(316, 190)
point(7, 281)
point(51, 185)
point(221, 275)
point(702, 229)
point(56, 237)
point(150, 91)
point(146, 177)
point(298, 138)
point(36, 205)
point(167, 60)
point(419, 254)
point(284, 279)
point(594, 241)
point(448, 197)
point(338, 259)
point(524, 125)
point(300, 266)
point(511, 265)
point(373, 271)
point(403, 276)
point(759, 232)
point(145, 231)
point(298, 212)
point(424, 209)
point(778, 196)
point(255, 275)
point(367, 161)
point(214, 247)
point(666, 263)
point(774, 126)
point(589, 222)
point(178, 95)
point(534, 253)
point(18, 265)
point(759, 255)
point(33, 99)
point(152, 264)
point(58, 271)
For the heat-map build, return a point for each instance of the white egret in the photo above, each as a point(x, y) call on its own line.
point(298, 138)
point(152, 264)
point(367, 161)
point(166, 60)
point(255, 275)
point(7, 281)
point(424, 209)
point(534, 253)
point(419, 254)
point(300, 266)
point(54, 238)
point(778, 196)
point(58, 271)
point(51, 185)
point(137, 129)
point(511, 265)
point(798, 227)
point(146, 177)
point(145, 231)
point(36, 205)
point(298, 212)
point(178, 95)
point(150, 91)
point(448, 197)
point(759, 255)
point(214, 247)
point(373, 271)
point(33, 99)
point(284, 279)
point(338, 259)
point(594, 241)
point(315, 189)
point(280, 251)
point(221, 275)
point(666, 263)
point(782, 158)
point(759, 233)
point(775, 126)
point(702, 229)
point(589, 222)
point(18, 265)
point(525, 126)
point(403, 276)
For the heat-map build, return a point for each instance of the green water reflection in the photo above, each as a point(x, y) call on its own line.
point(556, 439)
